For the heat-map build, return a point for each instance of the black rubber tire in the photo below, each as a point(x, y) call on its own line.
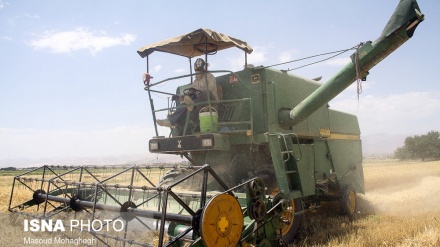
point(291, 232)
point(348, 200)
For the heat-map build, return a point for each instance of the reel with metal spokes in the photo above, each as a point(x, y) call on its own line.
point(123, 205)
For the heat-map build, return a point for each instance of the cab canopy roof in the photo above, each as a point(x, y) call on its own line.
point(199, 42)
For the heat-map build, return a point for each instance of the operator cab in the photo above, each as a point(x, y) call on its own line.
point(227, 114)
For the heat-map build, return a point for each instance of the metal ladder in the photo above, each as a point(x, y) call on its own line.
point(285, 164)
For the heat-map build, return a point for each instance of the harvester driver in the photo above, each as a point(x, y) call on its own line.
point(201, 86)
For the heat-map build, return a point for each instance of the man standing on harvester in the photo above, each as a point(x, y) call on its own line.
point(203, 88)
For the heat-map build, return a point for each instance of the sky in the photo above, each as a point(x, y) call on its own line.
point(70, 76)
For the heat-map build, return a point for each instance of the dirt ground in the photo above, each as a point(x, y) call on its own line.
point(401, 207)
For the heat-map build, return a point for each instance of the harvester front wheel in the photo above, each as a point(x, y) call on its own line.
point(291, 229)
point(348, 200)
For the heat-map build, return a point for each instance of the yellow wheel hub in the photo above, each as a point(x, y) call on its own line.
point(352, 202)
point(221, 223)
point(288, 214)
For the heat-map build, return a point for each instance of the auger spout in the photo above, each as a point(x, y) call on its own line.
point(398, 30)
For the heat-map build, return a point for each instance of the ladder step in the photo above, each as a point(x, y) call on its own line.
point(291, 172)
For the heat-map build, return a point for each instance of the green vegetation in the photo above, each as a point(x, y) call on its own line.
point(424, 147)
point(11, 173)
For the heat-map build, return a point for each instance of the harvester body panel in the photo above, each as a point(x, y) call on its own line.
point(248, 116)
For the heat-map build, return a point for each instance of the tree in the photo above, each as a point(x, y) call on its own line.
point(9, 169)
point(420, 147)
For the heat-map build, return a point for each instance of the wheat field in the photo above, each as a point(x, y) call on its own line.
point(401, 207)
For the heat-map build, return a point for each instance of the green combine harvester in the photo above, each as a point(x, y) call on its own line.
point(267, 150)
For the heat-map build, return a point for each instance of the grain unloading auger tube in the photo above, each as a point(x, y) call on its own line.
point(126, 205)
point(399, 29)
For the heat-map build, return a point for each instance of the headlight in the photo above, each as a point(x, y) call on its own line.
point(207, 142)
point(154, 146)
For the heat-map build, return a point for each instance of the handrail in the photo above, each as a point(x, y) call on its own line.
point(219, 102)
point(209, 102)
point(188, 75)
point(205, 102)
